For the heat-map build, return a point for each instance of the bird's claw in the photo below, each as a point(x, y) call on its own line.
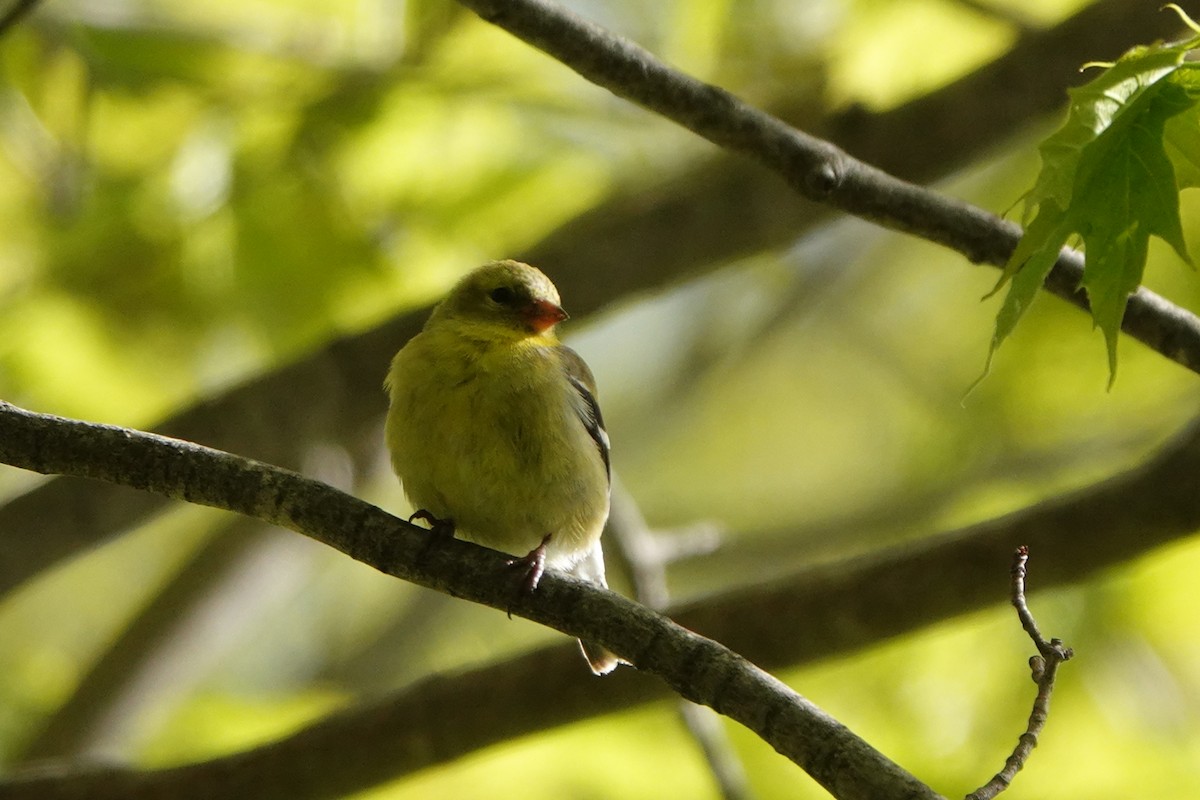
point(442, 527)
point(439, 530)
point(534, 564)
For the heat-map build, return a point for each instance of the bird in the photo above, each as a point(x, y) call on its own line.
point(495, 432)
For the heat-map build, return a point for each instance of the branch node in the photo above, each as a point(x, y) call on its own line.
point(1037, 668)
point(821, 182)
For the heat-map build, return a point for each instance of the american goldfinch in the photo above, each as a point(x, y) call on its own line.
point(494, 428)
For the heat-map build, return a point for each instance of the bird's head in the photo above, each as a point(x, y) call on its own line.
point(504, 297)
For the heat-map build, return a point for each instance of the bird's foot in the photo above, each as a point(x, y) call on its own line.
point(534, 564)
point(442, 527)
point(439, 530)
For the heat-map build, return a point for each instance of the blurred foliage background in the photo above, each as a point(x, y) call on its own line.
point(195, 195)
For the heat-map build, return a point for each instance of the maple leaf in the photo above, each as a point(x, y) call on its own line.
point(1111, 175)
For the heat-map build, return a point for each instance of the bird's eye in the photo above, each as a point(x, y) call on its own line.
point(503, 295)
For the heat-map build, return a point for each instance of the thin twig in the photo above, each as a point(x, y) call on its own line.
point(1052, 649)
point(1044, 669)
point(647, 556)
point(726, 765)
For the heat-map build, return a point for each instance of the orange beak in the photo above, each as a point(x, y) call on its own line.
point(542, 315)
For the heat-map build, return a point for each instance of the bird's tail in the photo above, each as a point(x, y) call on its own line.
point(601, 660)
point(591, 568)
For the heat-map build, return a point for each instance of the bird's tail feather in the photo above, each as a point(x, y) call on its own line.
point(601, 660)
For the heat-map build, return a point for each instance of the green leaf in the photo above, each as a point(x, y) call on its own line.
point(1182, 140)
point(1125, 192)
point(1035, 255)
point(1111, 175)
point(1122, 256)
point(1094, 106)
point(1182, 132)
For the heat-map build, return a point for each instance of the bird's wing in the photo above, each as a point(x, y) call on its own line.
point(580, 377)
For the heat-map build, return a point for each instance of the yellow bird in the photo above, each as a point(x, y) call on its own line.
point(494, 428)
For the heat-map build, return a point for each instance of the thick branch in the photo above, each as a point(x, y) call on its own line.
point(698, 669)
point(1155, 320)
point(265, 419)
point(836, 609)
point(814, 168)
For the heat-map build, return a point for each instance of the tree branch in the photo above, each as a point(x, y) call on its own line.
point(697, 668)
point(645, 555)
point(814, 168)
point(1044, 667)
point(839, 607)
point(681, 225)
point(264, 418)
point(1154, 320)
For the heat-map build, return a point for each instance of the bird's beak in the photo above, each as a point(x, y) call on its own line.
point(542, 315)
